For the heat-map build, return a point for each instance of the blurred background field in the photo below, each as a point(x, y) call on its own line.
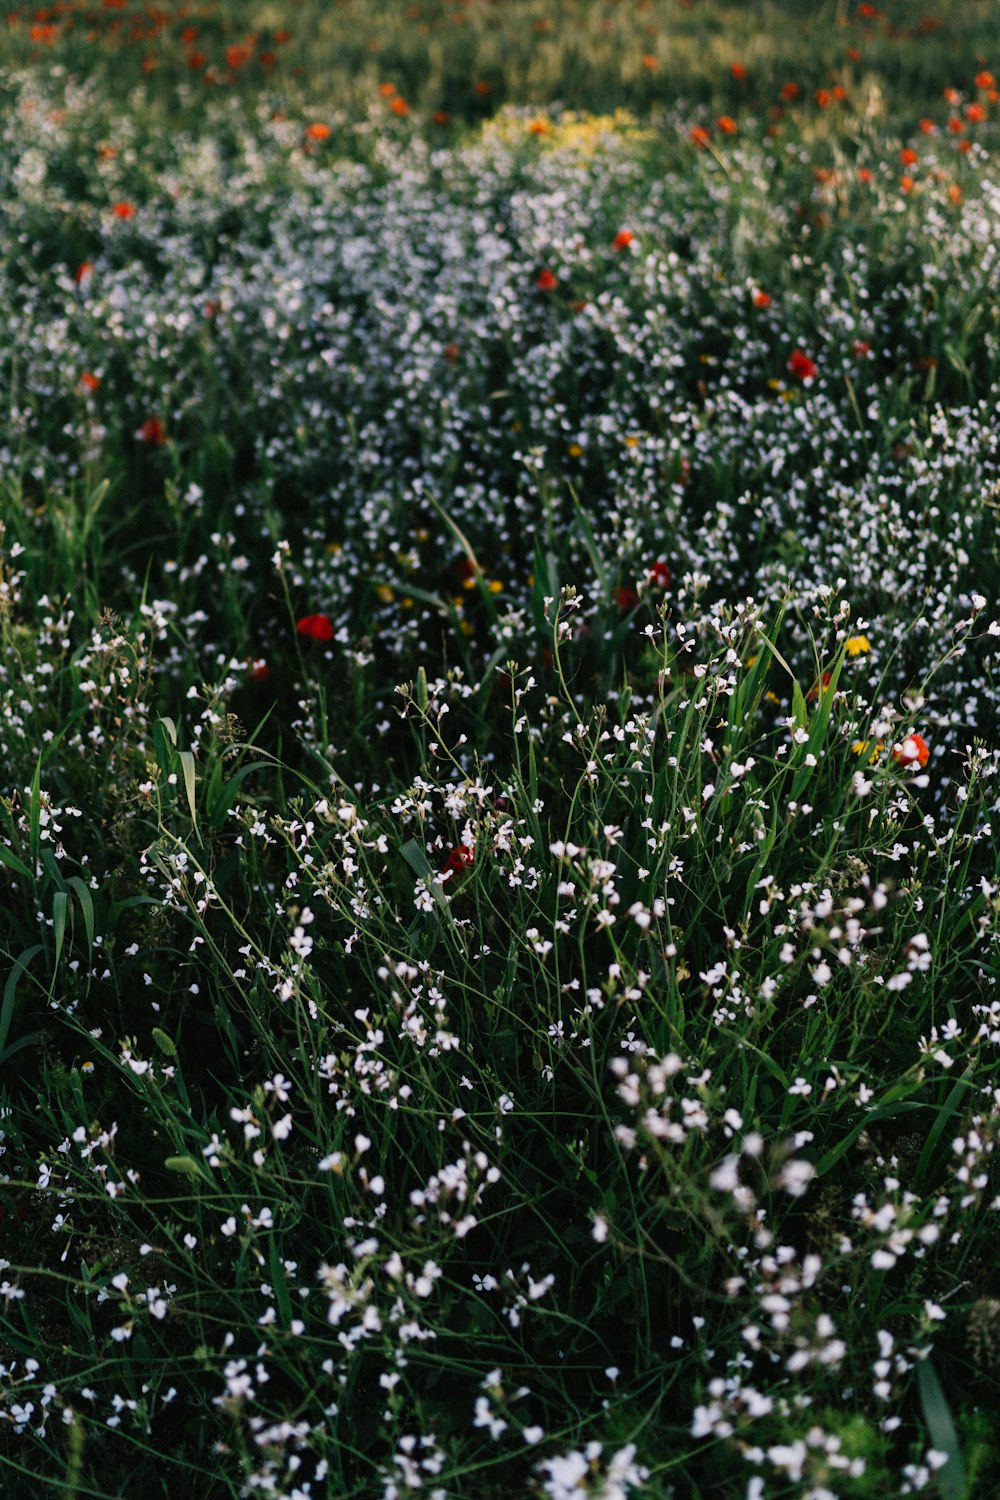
point(467, 58)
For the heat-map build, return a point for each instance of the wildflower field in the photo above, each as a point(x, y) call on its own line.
point(499, 750)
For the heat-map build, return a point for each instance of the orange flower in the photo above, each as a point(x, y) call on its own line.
point(622, 239)
point(985, 80)
point(906, 184)
point(912, 751)
point(649, 63)
point(976, 113)
point(90, 382)
point(726, 124)
point(824, 98)
point(699, 136)
point(789, 92)
point(83, 273)
point(908, 156)
point(441, 117)
point(762, 299)
point(317, 131)
point(928, 127)
point(954, 193)
point(123, 210)
point(387, 90)
point(399, 106)
point(737, 71)
point(864, 174)
point(547, 280)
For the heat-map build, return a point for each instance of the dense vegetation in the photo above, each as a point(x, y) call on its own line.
point(499, 761)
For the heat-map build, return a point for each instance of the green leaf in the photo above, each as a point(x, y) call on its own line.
point(186, 759)
point(940, 1425)
point(416, 857)
point(219, 800)
point(86, 901)
point(13, 863)
point(60, 907)
point(20, 967)
point(188, 1166)
point(164, 1042)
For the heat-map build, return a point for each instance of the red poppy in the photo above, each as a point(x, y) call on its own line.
point(912, 751)
point(908, 156)
point(737, 71)
point(727, 124)
point(985, 81)
point(238, 55)
point(317, 131)
point(762, 299)
point(90, 382)
point(659, 575)
point(626, 599)
point(820, 685)
point(699, 136)
point(83, 273)
point(622, 239)
point(316, 627)
point(801, 366)
point(152, 431)
point(861, 348)
point(459, 860)
point(123, 210)
point(547, 280)
point(257, 670)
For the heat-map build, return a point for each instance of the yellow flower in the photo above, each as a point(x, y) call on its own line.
point(384, 593)
point(857, 645)
point(574, 450)
point(495, 586)
point(860, 746)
